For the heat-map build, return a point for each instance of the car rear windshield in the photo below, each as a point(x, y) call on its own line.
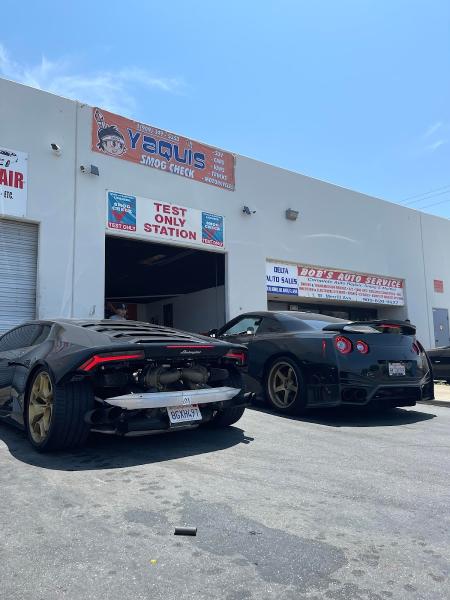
point(302, 322)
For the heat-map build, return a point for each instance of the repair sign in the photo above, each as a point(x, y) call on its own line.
point(13, 182)
point(163, 221)
point(324, 283)
point(334, 284)
point(129, 140)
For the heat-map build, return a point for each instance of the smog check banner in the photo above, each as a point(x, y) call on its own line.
point(129, 140)
point(163, 221)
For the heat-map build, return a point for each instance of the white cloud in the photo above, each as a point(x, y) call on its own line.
point(436, 145)
point(432, 129)
point(114, 91)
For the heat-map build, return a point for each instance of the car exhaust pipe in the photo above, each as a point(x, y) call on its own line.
point(100, 416)
point(196, 374)
point(160, 377)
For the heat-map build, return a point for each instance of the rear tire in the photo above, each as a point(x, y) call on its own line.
point(228, 416)
point(232, 414)
point(284, 386)
point(54, 414)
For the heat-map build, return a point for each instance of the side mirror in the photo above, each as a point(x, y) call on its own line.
point(250, 331)
point(213, 333)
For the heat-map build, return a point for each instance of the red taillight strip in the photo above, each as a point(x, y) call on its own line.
point(191, 346)
point(236, 355)
point(98, 359)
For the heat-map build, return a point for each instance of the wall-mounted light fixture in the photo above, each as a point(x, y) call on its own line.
point(291, 214)
point(89, 169)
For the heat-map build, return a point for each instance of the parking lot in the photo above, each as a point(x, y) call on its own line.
point(338, 505)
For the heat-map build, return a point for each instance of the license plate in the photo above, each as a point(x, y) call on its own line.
point(181, 414)
point(397, 369)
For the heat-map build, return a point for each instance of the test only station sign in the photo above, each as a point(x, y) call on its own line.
point(163, 221)
point(13, 182)
point(323, 283)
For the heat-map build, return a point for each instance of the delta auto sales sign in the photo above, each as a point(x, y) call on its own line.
point(13, 182)
point(331, 284)
point(166, 222)
point(129, 140)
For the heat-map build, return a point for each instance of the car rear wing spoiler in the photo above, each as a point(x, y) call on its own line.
point(375, 326)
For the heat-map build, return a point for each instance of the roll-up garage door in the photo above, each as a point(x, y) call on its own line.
point(18, 267)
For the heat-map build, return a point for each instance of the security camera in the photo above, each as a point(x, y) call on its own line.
point(90, 169)
point(247, 211)
point(56, 149)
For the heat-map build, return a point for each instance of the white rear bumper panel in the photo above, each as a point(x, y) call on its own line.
point(173, 398)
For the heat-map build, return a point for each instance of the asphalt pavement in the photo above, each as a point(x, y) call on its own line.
point(342, 505)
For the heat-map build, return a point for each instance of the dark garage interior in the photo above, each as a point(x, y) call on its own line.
point(166, 284)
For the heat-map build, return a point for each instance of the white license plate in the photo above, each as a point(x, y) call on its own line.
point(397, 369)
point(181, 414)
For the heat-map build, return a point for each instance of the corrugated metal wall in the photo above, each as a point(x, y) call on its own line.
point(18, 268)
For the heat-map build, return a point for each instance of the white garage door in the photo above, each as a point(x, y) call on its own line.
point(18, 266)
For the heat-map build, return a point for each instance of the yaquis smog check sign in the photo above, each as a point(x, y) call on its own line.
point(163, 221)
point(116, 136)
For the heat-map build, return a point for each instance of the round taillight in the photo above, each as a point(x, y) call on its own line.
point(362, 347)
point(343, 344)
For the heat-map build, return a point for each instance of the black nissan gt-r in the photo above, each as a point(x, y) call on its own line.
point(61, 379)
point(301, 360)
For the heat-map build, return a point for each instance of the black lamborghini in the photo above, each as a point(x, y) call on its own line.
point(300, 360)
point(61, 379)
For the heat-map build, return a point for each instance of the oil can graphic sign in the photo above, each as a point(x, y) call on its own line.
point(121, 212)
point(163, 221)
point(13, 182)
point(149, 146)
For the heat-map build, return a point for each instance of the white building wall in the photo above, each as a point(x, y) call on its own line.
point(30, 120)
point(436, 253)
point(336, 227)
point(198, 312)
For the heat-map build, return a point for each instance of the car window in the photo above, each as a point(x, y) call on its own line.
point(241, 326)
point(270, 325)
point(20, 337)
point(42, 334)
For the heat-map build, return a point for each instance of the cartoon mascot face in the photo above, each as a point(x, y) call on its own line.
point(110, 139)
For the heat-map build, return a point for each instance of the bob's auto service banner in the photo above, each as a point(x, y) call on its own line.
point(13, 182)
point(163, 221)
point(129, 140)
point(332, 284)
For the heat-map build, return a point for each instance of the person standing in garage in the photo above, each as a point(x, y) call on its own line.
point(119, 312)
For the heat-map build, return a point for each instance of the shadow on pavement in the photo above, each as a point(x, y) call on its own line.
point(110, 452)
point(355, 416)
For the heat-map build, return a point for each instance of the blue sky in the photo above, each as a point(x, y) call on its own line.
point(356, 92)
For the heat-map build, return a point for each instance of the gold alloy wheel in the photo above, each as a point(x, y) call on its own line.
point(283, 384)
point(40, 407)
